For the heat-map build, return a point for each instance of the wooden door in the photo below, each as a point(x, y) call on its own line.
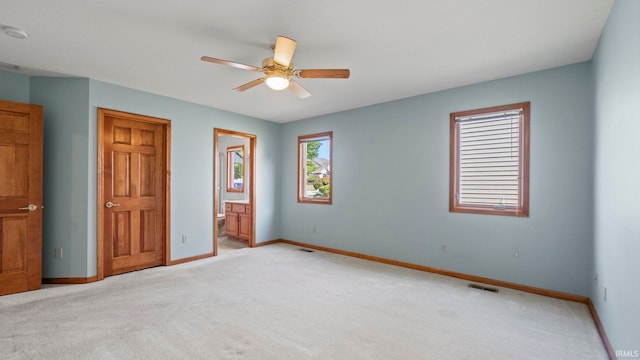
point(244, 224)
point(20, 197)
point(231, 224)
point(134, 186)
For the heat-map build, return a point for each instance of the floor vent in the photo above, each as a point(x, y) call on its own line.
point(482, 287)
point(306, 250)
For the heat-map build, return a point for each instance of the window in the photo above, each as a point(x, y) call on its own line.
point(489, 161)
point(314, 168)
point(235, 168)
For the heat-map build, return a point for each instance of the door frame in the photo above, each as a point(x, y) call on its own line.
point(252, 183)
point(166, 124)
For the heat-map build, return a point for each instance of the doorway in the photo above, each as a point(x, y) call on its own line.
point(234, 190)
point(133, 192)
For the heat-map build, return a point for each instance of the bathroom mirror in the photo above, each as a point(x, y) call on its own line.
point(235, 168)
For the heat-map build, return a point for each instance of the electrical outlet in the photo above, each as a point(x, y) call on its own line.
point(596, 277)
point(604, 293)
point(185, 239)
point(57, 253)
point(314, 230)
point(443, 248)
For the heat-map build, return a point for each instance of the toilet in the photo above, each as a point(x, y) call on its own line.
point(220, 223)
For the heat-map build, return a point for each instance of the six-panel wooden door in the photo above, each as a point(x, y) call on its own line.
point(133, 191)
point(20, 197)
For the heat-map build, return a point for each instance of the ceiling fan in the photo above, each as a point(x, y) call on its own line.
point(278, 70)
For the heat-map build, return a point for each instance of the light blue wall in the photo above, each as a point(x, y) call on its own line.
point(66, 166)
point(70, 158)
point(617, 175)
point(14, 87)
point(391, 179)
point(192, 157)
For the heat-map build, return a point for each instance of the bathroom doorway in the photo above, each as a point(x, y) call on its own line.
point(234, 190)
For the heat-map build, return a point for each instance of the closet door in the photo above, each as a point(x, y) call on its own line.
point(133, 168)
point(20, 197)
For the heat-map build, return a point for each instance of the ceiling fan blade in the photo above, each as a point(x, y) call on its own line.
point(250, 84)
point(283, 51)
point(229, 63)
point(297, 89)
point(324, 73)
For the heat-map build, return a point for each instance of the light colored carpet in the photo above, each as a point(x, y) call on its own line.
point(226, 243)
point(277, 302)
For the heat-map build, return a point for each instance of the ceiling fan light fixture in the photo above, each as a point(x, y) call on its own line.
point(277, 82)
point(279, 70)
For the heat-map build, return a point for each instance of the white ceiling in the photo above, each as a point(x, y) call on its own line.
point(395, 49)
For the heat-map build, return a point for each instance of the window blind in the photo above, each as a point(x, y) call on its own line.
point(313, 139)
point(489, 149)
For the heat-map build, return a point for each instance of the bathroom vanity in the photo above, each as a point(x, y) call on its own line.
point(238, 219)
